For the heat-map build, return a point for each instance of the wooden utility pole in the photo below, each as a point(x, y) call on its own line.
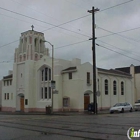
point(94, 58)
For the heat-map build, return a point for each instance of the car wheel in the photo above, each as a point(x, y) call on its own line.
point(136, 110)
point(131, 109)
point(111, 112)
point(122, 111)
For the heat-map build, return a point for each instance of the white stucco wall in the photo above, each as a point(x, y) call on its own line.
point(137, 82)
point(109, 100)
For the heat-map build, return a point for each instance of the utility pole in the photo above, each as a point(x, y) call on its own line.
point(94, 58)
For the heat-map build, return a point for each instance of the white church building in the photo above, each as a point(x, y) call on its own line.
point(28, 86)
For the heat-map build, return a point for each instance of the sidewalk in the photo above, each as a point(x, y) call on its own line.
point(70, 113)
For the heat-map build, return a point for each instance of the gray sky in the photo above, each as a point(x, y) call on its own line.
point(55, 12)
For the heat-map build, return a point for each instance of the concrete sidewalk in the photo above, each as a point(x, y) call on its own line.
point(70, 113)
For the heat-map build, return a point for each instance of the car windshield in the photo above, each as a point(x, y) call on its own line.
point(119, 104)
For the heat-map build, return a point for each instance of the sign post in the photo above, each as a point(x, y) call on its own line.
point(53, 84)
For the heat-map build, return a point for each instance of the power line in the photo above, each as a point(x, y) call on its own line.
point(119, 48)
point(9, 43)
point(124, 37)
point(65, 22)
point(117, 34)
point(115, 6)
point(52, 28)
point(48, 15)
point(120, 32)
point(42, 21)
point(34, 10)
point(6, 61)
point(117, 52)
point(21, 20)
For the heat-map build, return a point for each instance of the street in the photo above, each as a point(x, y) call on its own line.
point(68, 127)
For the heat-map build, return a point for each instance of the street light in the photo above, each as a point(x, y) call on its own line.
point(52, 67)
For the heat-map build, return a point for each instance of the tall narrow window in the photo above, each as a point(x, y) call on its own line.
point(70, 75)
point(36, 57)
point(20, 58)
point(106, 87)
point(46, 74)
point(114, 87)
point(10, 82)
point(88, 77)
point(35, 42)
point(50, 92)
point(42, 75)
point(11, 96)
point(4, 83)
point(122, 88)
point(49, 74)
point(30, 38)
point(45, 92)
point(5, 96)
point(7, 83)
point(24, 57)
point(41, 93)
point(41, 49)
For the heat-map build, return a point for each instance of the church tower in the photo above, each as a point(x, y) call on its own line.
point(32, 73)
point(31, 46)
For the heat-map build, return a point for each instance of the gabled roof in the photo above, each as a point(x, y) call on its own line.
point(124, 69)
point(127, 69)
point(70, 68)
point(112, 71)
point(8, 77)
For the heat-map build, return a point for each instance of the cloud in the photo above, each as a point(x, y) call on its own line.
point(56, 12)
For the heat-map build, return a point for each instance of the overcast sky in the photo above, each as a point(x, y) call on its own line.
point(52, 13)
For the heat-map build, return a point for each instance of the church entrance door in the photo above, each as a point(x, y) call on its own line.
point(86, 101)
point(22, 104)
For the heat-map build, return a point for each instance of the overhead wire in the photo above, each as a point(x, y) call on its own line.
point(70, 20)
point(127, 51)
point(6, 61)
point(118, 52)
point(129, 38)
point(49, 15)
point(120, 32)
point(115, 6)
point(41, 21)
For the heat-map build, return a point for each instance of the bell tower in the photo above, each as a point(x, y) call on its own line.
point(31, 46)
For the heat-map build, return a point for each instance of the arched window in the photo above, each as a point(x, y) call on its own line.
point(45, 80)
point(20, 58)
point(106, 87)
point(30, 39)
point(41, 46)
point(114, 87)
point(35, 44)
point(25, 44)
point(36, 57)
point(24, 57)
point(122, 88)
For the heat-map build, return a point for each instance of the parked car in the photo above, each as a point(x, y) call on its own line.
point(121, 107)
point(137, 105)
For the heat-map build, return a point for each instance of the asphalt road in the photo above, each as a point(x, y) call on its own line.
point(68, 127)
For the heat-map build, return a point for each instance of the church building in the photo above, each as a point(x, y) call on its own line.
point(28, 86)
